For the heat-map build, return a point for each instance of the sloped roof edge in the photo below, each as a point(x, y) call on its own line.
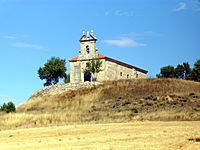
point(74, 59)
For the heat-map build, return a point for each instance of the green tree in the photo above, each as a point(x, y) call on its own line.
point(195, 74)
point(93, 67)
point(187, 70)
point(8, 107)
point(179, 71)
point(52, 70)
point(167, 72)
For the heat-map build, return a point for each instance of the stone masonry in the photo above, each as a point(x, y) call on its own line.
point(63, 88)
point(111, 69)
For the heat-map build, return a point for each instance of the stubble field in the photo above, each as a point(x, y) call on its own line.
point(135, 135)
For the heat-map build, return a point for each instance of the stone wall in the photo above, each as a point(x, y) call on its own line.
point(141, 75)
point(62, 88)
point(81, 65)
point(114, 71)
point(72, 71)
point(110, 71)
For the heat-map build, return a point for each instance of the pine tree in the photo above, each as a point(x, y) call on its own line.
point(187, 70)
point(179, 71)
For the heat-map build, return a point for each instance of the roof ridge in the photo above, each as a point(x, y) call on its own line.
point(100, 56)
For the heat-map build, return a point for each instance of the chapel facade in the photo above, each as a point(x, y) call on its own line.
point(112, 69)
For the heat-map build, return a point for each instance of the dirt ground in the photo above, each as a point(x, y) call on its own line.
point(136, 135)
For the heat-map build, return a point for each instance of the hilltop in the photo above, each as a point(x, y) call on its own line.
point(111, 101)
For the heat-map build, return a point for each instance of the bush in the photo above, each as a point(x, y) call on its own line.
point(8, 107)
point(134, 110)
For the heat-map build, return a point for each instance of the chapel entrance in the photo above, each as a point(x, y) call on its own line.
point(87, 77)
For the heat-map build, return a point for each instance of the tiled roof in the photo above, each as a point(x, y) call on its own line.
point(101, 56)
point(114, 60)
point(74, 59)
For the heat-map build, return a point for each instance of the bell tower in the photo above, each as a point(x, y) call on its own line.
point(88, 48)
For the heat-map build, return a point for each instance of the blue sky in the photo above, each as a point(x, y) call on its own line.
point(146, 33)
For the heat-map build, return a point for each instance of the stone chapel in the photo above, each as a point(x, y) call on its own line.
point(112, 69)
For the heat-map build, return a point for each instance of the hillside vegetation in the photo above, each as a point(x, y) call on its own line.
point(112, 101)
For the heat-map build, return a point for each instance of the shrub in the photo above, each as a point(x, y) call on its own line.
point(8, 107)
point(134, 110)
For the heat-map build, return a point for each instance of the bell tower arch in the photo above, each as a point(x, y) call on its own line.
point(88, 48)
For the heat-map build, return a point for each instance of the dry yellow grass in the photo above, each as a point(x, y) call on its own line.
point(30, 120)
point(110, 90)
point(114, 101)
point(75, 120)
point(136, 135)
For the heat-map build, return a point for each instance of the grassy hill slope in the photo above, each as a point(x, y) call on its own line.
point(113, 101)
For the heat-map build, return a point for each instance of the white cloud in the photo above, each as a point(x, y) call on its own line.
point(123, 13)
point(197, 5)
point(6, 97)
point(198, 2)
point(8, 37)
point(27, 45)
point(124, 42)
point(181, 6)
point(119, 13)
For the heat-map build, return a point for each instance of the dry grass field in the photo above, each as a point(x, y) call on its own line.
point(112, 102)
point(126, 114)
point(146, 135)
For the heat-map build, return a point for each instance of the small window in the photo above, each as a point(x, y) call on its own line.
point(121, 74)
point(87, 64)
point(136, 75)
point(88, 49)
